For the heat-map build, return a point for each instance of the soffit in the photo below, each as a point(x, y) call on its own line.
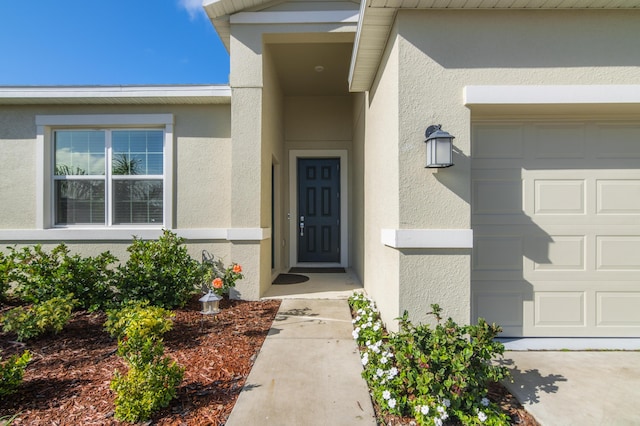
point(109, 95)
point(377, 17)
point(295, 65)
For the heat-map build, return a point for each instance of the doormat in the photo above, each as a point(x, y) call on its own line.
point(290, 279)
point(297, 270)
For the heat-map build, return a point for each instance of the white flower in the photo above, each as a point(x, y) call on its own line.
point(485, 402)
point(424, 409)
point(437, 422)
point(386, 394)
point(375, 349)
point(446, 403)
point(392, 403)
point(379, 372)
point(482, 416)
point(355, 335)
point(365, 358)
point(383, 360)
point(441, 409)
point(376, 327)
point(393, 372)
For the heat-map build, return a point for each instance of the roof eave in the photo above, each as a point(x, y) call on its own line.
point(181, 94)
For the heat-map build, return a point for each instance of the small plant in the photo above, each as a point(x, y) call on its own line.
point(39, 275)
point(6, 266)
point(12, 371)
point(150, 383)
point(49, 316)
point(218, 278)
point(159, 271)
point(430, 374)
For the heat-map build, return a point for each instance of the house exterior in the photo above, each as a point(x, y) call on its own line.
point(314, 154)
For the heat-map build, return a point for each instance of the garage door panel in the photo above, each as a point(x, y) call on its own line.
point(617, 141)
point(616, 309)
point(559, 197)
point(501, 141)
point(616, 252)
point(618, 197)
point(560, 309)
point(560, 212)
point(559, 141)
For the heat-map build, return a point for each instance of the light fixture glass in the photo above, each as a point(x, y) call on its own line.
point(439, 147)
point(210, 303)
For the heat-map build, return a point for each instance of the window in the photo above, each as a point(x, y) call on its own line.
point(108, 177)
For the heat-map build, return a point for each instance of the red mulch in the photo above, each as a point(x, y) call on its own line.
point(67, 381)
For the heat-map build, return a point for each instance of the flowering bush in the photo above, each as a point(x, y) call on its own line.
point(433, 375)
point(218, 278)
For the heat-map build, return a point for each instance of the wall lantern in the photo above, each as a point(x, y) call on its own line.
point(210, 303)
point(439, 147)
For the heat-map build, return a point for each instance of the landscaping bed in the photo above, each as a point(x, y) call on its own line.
point(67, 381)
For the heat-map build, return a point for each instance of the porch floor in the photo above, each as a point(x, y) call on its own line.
point(319, 286)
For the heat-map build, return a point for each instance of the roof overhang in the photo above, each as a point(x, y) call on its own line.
point(219, 12)
point(377, 18)
point(131, 95)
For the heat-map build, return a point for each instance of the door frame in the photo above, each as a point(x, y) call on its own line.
point(293, 203)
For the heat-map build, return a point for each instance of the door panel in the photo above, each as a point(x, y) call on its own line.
point(318, 210)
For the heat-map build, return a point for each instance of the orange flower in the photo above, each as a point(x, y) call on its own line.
point(237, 268)
point(217, 283)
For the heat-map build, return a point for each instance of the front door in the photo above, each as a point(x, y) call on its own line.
point(318, 210)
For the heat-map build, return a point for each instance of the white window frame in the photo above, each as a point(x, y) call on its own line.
point(47, 124)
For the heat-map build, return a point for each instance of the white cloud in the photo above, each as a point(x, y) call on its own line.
point(193, 7)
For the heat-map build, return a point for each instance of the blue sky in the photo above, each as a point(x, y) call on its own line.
point(109, 42)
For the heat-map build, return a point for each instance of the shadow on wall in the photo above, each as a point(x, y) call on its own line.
point(524, 38)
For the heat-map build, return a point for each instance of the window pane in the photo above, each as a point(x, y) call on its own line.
point(79, 202)
point(137, 152)
point(137, 201)
point(79, 152)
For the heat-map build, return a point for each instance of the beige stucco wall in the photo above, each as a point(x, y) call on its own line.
point(202, 155)
point(381, 192)
point(439, 53)
point(357, 211)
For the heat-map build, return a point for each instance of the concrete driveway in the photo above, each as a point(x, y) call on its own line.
point(577, 388)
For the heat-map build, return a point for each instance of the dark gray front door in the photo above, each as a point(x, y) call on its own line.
point(318, 210)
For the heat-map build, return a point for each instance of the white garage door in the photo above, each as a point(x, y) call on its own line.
point(556, 220)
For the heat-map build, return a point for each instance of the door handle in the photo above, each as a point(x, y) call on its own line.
point(302, 226)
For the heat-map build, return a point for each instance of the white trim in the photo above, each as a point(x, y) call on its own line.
point(248, 234)
point(427, 238)
point(294, 154)
point(307, 17)
point(126, 233)
point(105, 120)
point(81, 92)
point(566, 94)
point(569, 343)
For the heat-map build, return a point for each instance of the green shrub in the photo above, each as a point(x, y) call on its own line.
point(432, 374)
point(146, 389)
point(39, 276)
point(6, 266)
point(150, 383)
point(139, 329)
point(49, 316)
point(12, 371)
point(159, 271)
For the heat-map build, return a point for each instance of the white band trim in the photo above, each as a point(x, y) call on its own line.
point(427, 238)
point(120, 234)
point(312, 17)
point(566, 94)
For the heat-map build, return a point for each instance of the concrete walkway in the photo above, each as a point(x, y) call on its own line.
point(307, 372)
point(577, 388)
